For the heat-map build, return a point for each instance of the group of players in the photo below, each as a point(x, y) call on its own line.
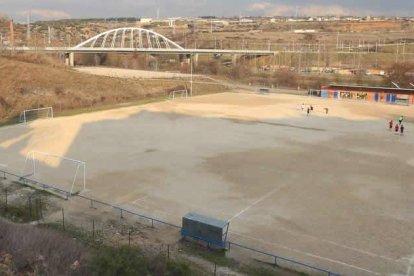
point(398, 127)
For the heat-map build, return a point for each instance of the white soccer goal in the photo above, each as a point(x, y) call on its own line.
point(174, 94)
point(36, 113)
point(72, 175)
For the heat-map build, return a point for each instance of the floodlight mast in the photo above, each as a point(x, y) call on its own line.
point(191, 75)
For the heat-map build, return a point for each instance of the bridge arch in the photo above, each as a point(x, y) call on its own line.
point(131, 38)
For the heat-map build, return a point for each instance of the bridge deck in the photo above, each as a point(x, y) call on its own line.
point(140, 50)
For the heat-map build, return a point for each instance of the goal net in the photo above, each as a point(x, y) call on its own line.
point(61, 173)
point(178, 93)
point(36, 113)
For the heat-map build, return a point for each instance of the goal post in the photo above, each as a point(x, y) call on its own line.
point(28, 115)
point(183, 93)
point(32, 169)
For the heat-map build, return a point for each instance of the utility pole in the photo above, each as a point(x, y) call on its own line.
point(397, 52)
point(28, 35)
point(337, 40)
point(11, 40)
point(191, 75)
point(49, 35)
point(403, 53)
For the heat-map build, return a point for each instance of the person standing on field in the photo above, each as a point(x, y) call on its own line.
point(402, 130)
point(391, 123)
point(401, 119)
point(307, 111)
point(397, 128)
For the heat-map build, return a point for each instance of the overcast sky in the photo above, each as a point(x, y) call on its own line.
point(56, 9)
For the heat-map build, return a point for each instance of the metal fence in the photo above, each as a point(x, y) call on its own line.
point(122, 211)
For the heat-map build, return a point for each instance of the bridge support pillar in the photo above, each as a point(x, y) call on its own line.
point(70, 59)
point(235, 59)
point(195, 59)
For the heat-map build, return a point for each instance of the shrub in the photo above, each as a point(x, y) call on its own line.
point(178, 269)
point(285, 79)
point(401, 73)
point(131, 261)
point(119, 261)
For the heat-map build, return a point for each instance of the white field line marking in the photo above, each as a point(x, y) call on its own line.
point(212, 210)
point(156, 210)
point(306, 253)
point(139, 199)
point(340, 245)
point(309, 236)
point(257, 202)
point(410, 266)
point(361, 251)
point(283, 229)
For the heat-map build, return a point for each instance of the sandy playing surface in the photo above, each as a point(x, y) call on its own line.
point(129, 73)
point(330, 190)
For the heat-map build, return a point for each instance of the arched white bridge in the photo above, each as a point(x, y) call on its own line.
point(132, 38)
point(137, 40)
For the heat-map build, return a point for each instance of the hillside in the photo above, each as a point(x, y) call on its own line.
point(35, 81)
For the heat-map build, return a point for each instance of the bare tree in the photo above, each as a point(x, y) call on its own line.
point(401, 73)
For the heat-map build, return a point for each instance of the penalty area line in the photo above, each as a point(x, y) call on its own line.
point(305, 253)
point(257, 202)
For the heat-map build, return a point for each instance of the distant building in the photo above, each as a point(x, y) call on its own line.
point(403, 96)
point(145, 20)
point(300, 31)
point(375, 72)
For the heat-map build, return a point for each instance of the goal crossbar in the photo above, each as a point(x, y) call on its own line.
point(24, 113)
point(183, 92)
point(80, 166)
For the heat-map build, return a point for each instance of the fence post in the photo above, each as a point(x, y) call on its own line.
point(129, 237)
point(275, 260)
point(40, 208)
point(6, 200)
point(30, 207)
point(152, 223)
point(93, 230)
point(168, 251)
point(63, 218)
point(215, 269)
point(121, 213)
point(37, 208)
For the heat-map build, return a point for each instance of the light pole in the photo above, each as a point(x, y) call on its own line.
point(191, 75)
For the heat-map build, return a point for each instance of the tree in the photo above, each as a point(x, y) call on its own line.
point(401, 73)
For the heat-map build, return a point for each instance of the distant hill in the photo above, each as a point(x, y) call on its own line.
point(37, 81)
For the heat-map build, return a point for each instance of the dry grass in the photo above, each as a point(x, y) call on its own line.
point(35, 81)
point(40, 251)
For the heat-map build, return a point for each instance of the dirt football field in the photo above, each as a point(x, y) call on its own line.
point(332, 190)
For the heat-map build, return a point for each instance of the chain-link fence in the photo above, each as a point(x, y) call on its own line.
point(100, 222)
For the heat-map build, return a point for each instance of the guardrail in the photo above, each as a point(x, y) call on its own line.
point(123, 210)
point(276, 258)
point(36, 184)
